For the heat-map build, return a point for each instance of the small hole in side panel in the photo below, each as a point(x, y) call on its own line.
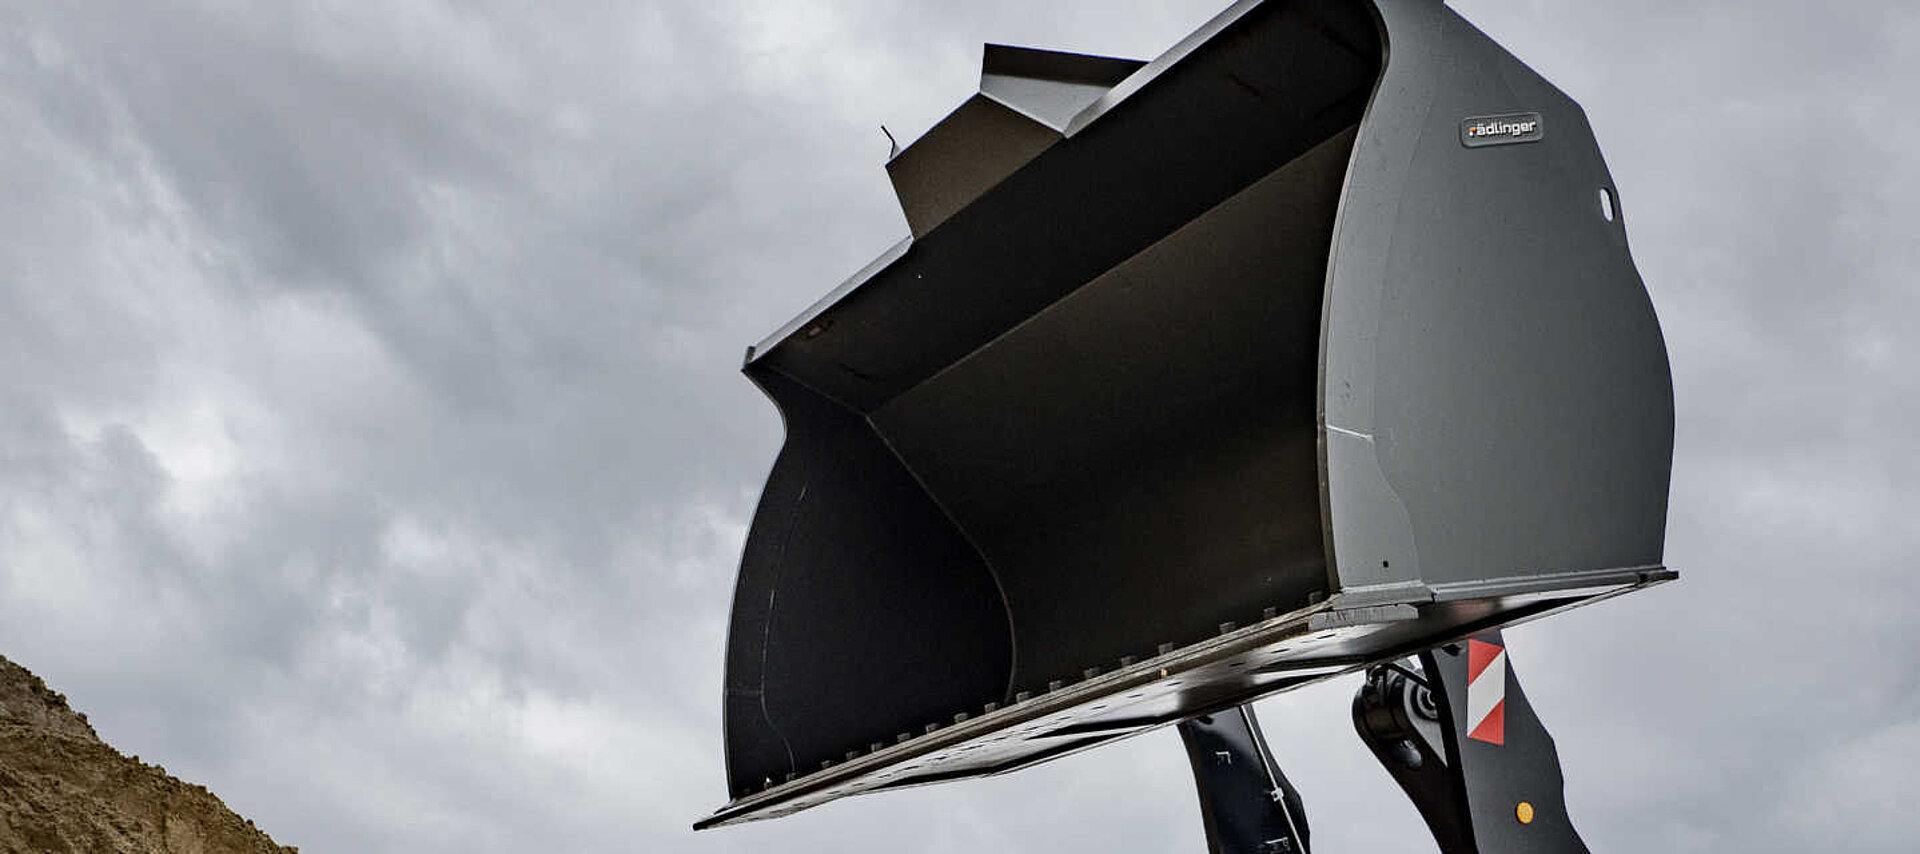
point(1609, 210)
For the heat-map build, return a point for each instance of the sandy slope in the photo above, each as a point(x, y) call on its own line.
point(64, 790)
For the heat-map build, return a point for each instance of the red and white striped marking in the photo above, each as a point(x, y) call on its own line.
point(1486, 692)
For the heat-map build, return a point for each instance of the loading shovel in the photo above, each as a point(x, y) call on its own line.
point(1308, 347)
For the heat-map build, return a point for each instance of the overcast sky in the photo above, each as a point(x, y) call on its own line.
point(373, 451)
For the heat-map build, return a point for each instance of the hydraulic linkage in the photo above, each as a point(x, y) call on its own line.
point(1456, 733)
point(1463, 742)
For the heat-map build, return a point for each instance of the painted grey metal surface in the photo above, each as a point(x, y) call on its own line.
point(1496, 397)
point(1253, 374)
point(1246, 803)
point(1495, 787)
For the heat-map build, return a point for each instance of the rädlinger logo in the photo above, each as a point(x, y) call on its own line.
point(1502, 130)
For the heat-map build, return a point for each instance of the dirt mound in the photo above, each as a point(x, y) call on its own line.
point(64, 790)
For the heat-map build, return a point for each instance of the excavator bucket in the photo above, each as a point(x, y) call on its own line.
point(1312, 343)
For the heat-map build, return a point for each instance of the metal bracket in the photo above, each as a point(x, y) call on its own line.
point(1247, 804)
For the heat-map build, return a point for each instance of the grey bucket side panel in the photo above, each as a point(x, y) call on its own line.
point(1496, 396)
point(853, 581)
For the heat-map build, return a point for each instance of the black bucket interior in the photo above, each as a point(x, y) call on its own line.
point(1136, 464)
point(1006, 467)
